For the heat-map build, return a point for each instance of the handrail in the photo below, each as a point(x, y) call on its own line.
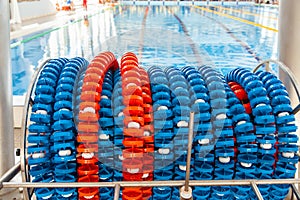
point(287, 70)
point(10, 174)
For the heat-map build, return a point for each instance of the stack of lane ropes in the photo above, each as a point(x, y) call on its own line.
point(104, 122)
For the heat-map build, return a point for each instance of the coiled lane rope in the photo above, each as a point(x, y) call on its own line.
point(132, 125)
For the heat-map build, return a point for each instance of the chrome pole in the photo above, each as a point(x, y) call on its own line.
point(7, 158)
point(10, 174)
point(295, 191)
point(117, 192)
point(186, 191)
point(189, 152)
point(179, 183)
point(256, 191)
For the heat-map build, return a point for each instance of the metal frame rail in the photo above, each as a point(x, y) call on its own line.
point(286, 70)
point(29, 186)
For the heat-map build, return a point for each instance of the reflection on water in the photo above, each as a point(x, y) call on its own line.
point(154, 34)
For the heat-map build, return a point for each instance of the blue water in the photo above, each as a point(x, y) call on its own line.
point(159, 35)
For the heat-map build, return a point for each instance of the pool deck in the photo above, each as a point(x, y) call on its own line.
point(28, 27)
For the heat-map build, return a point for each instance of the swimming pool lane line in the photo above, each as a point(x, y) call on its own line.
point(190, 40)
point(237, 18)
point(141, 41)
point(15, 44)
point(242, 12)
point(243, 44)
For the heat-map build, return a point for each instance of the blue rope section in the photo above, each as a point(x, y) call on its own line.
point(163, 131)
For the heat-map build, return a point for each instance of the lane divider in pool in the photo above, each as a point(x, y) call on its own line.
point(190, 40)
point(138, 141)
point(245, 141)
point(148, 157)
point(236, 18)
point(131, 125)
point(222, 130)
point(52, 146)
point(221, 8)
point(64, 147)
point(141, 41)
point(163, 131)
point(39, 149)
point(243, 44)
point(180, 92)
point(105, 136)
point(88, 126)
point(285, 146)
point(203, 140)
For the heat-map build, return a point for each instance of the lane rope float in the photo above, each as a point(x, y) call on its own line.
point(89, 127)
point(264, 123)
point(163, 133)
point(203, 139)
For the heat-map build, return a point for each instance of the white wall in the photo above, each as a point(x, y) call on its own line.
point(34, 9)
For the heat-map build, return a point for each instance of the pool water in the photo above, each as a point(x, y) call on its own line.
point(224, 37)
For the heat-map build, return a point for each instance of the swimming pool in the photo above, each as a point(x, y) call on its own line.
point(163, 35)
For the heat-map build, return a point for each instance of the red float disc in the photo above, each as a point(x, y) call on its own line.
point(148, 108)
point(241, 95)
point(134, 111)
point(87, 104)
point(88, 128)
point(88, 117)
point(87, 138)
point(130, 119)
point(147, 98)
point(133, 163)
point(149, 139)
point(133, 153)
point(129, 66)
point(149, 148)
point(87, 148)
point(84, 161)
point(132, 194)
point(90, 96)
point(133, 73)
point(148, 118)
point(248, 108)
point(236, 86)
point(84, 170)
point(146, 89)
point(91, 86)
point(94, 69)
point(133, 100)
point(133, 132)
point(131, 90)
point(132, 142)
point(131, 81)
point(92, 77)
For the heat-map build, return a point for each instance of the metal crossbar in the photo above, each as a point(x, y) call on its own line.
point(118, 184)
